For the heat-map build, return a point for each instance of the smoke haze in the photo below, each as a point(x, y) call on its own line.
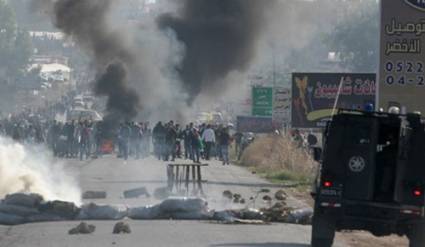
point(33, 171)
point(86, 22)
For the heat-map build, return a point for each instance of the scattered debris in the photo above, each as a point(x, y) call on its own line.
point(82, 228)
point(267, 198)
point(228, 194)
point(280, 195)
point(180, 208)
point(303, 216)
point(121, 227)
point(94, 195)
point(135, 193)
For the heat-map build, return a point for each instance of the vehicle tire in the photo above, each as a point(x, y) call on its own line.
point(323, 230)
point(417, 236)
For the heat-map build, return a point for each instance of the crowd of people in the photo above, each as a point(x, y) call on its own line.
point(85, 139)
point(192, 142)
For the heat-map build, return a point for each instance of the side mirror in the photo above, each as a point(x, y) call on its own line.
point(317, 154)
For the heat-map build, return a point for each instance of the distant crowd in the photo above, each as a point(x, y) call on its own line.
point(87, 139)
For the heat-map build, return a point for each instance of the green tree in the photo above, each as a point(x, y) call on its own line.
point(356, 38)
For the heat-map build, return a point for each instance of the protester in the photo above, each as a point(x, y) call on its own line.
point(208, 136)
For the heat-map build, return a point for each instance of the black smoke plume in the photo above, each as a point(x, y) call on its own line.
point(86, 22)
point(122, 102)
point(220, 36)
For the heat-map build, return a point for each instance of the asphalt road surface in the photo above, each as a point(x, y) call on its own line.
point(115, 176)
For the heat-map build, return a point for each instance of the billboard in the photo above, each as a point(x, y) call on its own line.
point(402, 65)
point(314, 96)
point(254, 124)
point(262, 101)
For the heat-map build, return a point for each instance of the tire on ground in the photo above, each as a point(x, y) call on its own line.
point(323, 230)
point(417, 236)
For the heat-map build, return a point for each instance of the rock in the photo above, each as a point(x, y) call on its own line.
point(135, 193)
point(121, 227)
point(82, 228)
point(280, 195)
point(267, 198)
point(94, 195)
point(237, 196)
point(277, 213)
point(66, 210)
point(24, 200)
point(264, 190)
point(228, 194)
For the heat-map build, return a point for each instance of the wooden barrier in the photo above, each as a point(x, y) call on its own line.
point(184, 174)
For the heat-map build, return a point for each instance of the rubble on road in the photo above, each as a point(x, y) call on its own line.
point(94, 195)
point(21, 208)
point(82, 228)
point(121, 228)
point(228, 194)
point(280, 195)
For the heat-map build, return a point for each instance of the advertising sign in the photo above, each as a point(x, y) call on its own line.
point(402, 53)
point(314, 96)
point(262, 101)
point(255, 124)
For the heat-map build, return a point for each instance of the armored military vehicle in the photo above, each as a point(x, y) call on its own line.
point(371, 176)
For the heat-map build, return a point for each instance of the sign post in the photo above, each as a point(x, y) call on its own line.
point(262, 101)
point(402, 54)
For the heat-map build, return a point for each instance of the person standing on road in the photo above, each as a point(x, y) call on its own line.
point(224, 142)
point(124, 136)
point(208, 136)
point(171, 139)
point(158, 138)
point(196, 144)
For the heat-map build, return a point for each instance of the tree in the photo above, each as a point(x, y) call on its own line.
point(15, 45)
point(356, 38)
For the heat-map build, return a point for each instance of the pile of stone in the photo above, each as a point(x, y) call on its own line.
point(121, 228)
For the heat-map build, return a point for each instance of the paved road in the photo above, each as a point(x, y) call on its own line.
point(115, 176)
